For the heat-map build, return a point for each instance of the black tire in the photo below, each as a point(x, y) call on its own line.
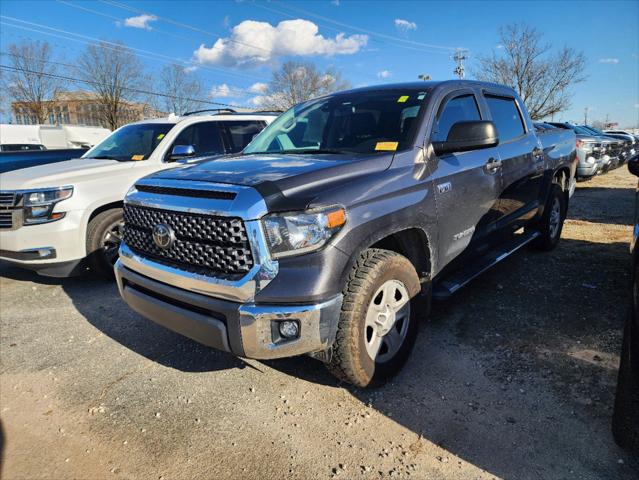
point(101, 255)
point(350, 360)
point(551, 234)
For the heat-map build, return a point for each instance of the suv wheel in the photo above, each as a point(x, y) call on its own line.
point(378, 321)
point(552, 221)
point(104, 234)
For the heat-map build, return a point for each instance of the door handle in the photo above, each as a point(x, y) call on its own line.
point(493, 165)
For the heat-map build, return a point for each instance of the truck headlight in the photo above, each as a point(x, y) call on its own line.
point(297, 233)
point(38, 205)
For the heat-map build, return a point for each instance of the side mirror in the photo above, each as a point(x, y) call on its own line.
point(471, 135)
point(633, 165)
point(181, 151)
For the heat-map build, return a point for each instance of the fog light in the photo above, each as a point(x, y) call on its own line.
point(289, 329)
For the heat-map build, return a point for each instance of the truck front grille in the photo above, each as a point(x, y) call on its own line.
point(205, 244)
point(6, 219)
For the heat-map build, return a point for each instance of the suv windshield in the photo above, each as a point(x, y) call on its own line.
point(131, 142)
point(359, 122)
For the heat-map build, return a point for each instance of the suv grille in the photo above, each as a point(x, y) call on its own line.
point(6, 218)
point(203, 243)
point(7, 199)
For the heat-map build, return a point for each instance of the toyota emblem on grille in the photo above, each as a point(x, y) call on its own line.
point(163, 236)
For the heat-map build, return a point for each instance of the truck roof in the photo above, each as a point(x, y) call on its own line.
point(429, 84)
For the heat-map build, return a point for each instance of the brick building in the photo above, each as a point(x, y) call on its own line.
point(80, 108)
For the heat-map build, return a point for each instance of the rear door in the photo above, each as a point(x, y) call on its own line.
point(522, 160)
point(239, 133)
point(465, 185)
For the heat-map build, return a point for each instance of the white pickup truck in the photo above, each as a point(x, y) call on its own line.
point(63, 218)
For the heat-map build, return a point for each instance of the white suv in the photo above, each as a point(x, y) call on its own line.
point(63, 218)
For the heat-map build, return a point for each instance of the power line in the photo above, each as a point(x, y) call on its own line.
point(180, 24)
point(130, 89)
point(401, 42)
point(92, 40)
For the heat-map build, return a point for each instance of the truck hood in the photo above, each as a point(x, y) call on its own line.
point(284, 170)
point(284, 180)
point(69, 172)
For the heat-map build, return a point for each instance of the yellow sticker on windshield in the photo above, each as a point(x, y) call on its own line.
point(137, 157)
point(402, 99)
point(160, 136)
point(386, 146)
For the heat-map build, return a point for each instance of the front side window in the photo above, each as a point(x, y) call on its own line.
point(203, 137)
point(506, 117)
point(131, 142)
point(358, 122)
point(458, 109)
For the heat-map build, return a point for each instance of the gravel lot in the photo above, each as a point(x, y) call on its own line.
point(513, 377)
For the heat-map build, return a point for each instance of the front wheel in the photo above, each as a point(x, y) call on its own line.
point(378, 320)
point(552, 220)
point(104, 235)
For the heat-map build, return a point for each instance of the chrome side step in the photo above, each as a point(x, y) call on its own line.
point(445, 287)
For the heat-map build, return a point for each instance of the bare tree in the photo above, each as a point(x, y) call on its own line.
point(31, 77)
point(115, 75)
point(296, 82)
point(182, 89)
point(541, 78)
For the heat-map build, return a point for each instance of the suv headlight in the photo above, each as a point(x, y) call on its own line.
point(297, 233)
point(38, 204)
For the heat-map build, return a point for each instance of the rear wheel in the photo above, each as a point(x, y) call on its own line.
point(378, 321)
point(552, 220)
point(104, 235)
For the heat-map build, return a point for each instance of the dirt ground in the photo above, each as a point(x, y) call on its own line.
point(513, 377)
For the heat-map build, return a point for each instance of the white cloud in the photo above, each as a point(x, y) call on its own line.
point(190, 68)
point(609, 60)
point(404, 25)
point(636, 105)
point(141, 21)
point(335, 2)
point(225, 91)
point(384, 74)
point(258, 87)
point(256, 43)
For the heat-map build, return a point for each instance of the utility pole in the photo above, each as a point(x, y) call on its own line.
point(586, 115)
point(460, 55)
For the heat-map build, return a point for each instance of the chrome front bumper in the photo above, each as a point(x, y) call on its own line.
point(244, 329)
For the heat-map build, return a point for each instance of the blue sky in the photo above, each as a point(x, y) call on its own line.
point(367, 41)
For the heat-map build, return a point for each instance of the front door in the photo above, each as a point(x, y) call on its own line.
point(466, 185)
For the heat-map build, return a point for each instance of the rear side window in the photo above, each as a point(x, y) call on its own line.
point(459, 109)
point(241, 132)
point(204, 137)
point(506, 117)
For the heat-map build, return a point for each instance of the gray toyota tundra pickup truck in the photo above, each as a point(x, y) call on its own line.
point(331, 232)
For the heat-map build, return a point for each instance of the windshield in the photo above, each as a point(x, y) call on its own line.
point(131, 142)
point(360, 122)
point(594, 130)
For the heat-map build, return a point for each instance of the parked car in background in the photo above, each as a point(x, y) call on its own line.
point(626, 132)
point(627, 142)
point(21, 147)
point(327, 235)
point(591, 151)
point(31, 157)
point(61, 217)
point(52, 136)
point(625, 422)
